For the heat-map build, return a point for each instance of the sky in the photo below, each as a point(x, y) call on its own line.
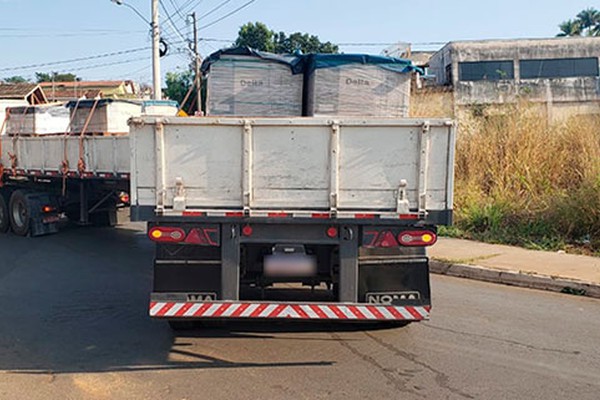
point(98, 39)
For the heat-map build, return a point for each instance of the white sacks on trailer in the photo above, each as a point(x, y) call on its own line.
point(357, 85)
point(45, 119)
point(244, 82)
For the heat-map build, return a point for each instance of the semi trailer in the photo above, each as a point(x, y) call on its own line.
point(291, 218)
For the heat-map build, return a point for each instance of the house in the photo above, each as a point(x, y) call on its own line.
point(19, 94)
point(66, 91)
point(560, 73)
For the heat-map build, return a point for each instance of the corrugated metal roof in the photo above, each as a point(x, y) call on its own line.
point(16, 90)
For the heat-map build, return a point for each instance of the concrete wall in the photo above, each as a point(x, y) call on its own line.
point(551, 90)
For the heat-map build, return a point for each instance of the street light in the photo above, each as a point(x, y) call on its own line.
point(122, 3)
point(156, 80)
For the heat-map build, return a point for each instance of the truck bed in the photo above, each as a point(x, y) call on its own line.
point(298, 167)
point(103, 156)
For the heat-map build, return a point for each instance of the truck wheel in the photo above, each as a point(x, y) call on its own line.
point(20, 213)
point(4, 220)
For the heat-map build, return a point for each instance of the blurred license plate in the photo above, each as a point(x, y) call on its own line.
point(289, 265)
point(51, 219)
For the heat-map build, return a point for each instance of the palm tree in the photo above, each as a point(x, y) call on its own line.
point(589, 19)
point(570, 28)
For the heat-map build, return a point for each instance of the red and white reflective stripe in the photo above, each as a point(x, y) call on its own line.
point(287, 310)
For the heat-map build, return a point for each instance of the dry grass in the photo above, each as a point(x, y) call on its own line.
point(522, 180)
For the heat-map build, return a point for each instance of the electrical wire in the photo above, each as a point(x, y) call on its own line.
point(218, 7)
point(72, 60)
point(228, 14)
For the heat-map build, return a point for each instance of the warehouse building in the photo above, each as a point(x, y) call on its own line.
point(561, 73)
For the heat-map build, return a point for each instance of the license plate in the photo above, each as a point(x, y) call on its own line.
point(290, 266)
point(51, 219)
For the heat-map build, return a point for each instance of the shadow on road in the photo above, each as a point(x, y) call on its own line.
point(77, 302)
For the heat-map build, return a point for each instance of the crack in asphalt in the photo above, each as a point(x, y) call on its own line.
point(442, 380)
point(507, 341)
point(389, 375)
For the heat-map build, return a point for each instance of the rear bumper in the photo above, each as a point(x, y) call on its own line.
point(279, 310)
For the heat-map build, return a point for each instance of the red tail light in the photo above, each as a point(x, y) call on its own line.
point(203, 236)
point(384, 239)
point(417, 238)
point(48, 209)
point(247, 230)
point(166, 234)
point(332, 232)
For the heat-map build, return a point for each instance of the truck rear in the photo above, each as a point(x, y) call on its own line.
point(291, 218)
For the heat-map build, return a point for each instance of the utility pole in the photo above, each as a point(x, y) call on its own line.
point(197, 79)
point(156, 78)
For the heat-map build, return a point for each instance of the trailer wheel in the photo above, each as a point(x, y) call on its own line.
point(20, 213)
point(4, 219)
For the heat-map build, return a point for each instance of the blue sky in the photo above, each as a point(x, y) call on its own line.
point(42, 31)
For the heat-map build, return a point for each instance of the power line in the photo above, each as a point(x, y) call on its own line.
point(177, 9)
point(228, 14)
point(214, 9)
point(115, 53)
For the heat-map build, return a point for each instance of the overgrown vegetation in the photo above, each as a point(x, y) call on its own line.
point(523, 180)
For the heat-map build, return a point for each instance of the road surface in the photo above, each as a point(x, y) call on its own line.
point(74, 326)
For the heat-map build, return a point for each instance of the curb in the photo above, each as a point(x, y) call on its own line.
point(516, 278)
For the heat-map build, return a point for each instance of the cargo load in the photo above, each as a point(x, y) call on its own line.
point(103, 116)
point(245, 82)
point(46, 119)
point(357, 85)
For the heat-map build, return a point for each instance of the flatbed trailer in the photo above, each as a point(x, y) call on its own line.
point(245, 213)
point(44, 179)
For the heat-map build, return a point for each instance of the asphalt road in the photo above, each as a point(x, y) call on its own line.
point(73, 309)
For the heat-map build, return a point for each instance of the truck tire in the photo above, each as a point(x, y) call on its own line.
point(19, 210)
point(4, 219)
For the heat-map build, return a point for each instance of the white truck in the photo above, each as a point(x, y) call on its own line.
point(291, 218)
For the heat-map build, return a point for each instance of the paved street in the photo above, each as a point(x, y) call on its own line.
point(74, 326)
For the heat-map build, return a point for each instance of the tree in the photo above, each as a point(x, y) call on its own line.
point(589, 19)
point(258, 36)
point(587, 22)
point(15, 79)
point(302, 42)
point(569, 28)
point(55, 77)
point(178, 86)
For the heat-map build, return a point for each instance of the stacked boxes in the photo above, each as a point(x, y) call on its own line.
point(357, 85)
point(110, 117)
point(243, 82)
point(46, 119)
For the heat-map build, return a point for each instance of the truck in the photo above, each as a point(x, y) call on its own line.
point(47, 179)
point(312, 218)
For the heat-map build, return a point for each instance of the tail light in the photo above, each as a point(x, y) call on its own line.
point(166, 234)
point(247, 230)
point(417, 238)
point(48, 209)
point(124, 198)
point(332, 232)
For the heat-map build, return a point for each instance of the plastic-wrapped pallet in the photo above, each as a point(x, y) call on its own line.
point(245, 82)
point(355, 84)
point(44, 119)
point(110, 117)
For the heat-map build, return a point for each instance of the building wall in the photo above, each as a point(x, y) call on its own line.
point(571, 92)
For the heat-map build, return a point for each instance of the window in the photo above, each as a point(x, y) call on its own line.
point(559, 68)
point(486, 70)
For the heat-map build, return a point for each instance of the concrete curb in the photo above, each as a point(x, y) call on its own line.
point(516, 278)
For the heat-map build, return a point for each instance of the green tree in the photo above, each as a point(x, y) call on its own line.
point(302, 42)
point(589, 19)
point(178, 86)
point(256, 36)
point(55, 77)
point(15, 79)
point(570, 28)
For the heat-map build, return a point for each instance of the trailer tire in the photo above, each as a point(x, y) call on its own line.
point(4, 218)
point(19, 210)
